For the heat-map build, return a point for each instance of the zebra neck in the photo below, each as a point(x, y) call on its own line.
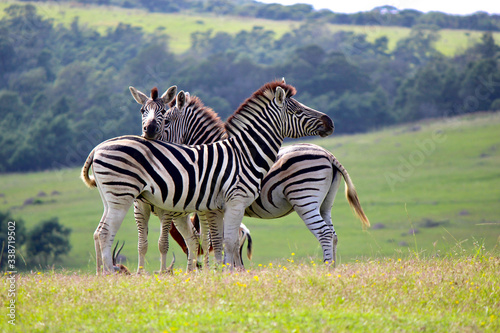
point(257, 138)
point(199, 125)
point(207, 133)
point(162, 136)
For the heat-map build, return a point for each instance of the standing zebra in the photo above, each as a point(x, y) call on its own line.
point(179, 179)
point(153, 115)
point(305, 177)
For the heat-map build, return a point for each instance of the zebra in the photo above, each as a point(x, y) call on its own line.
point(244, 236)
point(179, 179)
point(153, 111)
point(153, 117)
point(305, 177)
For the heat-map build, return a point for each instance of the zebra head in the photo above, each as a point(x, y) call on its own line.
point(298, 119)
point(175, 119)
point(153, 110)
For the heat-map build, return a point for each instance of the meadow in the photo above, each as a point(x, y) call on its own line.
point(388, 295)
point(180, 26)
point(429, 188)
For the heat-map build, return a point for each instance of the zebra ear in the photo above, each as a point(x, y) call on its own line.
point(169, 95)
point(283, 80)
point(280, 96)
point(181, 100)
point(138, 96)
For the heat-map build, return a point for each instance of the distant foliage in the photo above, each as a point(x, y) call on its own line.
point(382, 15)
point(41, 246)
point(47, 242)
point(63, 90)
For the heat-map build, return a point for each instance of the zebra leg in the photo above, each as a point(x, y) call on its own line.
point(335, 241)
point(186, 229)
point(311, 216)
point(326, 214)
point(142, 212)
point(232, 220)
point(216, 225)
point(326, 211)
point(106, 232)
point(166, 223)
point(97, 244)
point(204, 238)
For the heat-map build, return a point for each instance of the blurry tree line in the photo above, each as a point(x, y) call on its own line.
point(63, 90)
point(383, 15)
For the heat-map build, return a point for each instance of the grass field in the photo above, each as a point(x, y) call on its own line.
point(388, 295)
point(179, 27)
point(428, 188)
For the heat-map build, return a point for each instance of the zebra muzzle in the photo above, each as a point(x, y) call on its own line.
point(150, 131)
point(328, 126)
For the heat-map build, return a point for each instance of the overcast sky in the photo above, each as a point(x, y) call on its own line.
point(461, 7)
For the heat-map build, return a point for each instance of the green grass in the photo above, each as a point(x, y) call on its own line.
point(179, 27)
point(451, 194)
point(388, 295)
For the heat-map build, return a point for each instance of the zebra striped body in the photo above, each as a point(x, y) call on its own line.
point(153, 114)
point(305, 177)
point(153, 117)
point(179, 179)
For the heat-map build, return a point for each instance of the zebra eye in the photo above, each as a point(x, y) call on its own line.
point(163, 111)
point(142, 111)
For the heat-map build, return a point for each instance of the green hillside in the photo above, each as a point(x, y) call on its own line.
point(180, 26)
point(440, 178)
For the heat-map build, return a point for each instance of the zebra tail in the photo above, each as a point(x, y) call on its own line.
point(245, 235)
point(87, 179)
point(249, 246)
point(352, 195)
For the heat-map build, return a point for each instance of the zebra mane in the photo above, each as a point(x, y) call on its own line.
point(265, 89)
point(154, 93)
point(207, 112)
point(213, 128)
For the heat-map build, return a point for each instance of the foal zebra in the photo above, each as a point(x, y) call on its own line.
point(305, 177)
point(179, 179)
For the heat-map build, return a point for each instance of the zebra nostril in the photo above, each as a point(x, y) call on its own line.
point(327, 121)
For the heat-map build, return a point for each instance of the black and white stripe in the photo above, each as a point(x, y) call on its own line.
point(177, 179)
point(212, 129)
point(153, 111)
point(153, 121)
point(305, 177)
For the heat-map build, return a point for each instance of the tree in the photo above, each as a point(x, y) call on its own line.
point(336, 74)
point(419, 96)
point(41, 148)
point(357, 112)
point(487, 48)
point(480, 86)
point(418, 48)
point(47, 242)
